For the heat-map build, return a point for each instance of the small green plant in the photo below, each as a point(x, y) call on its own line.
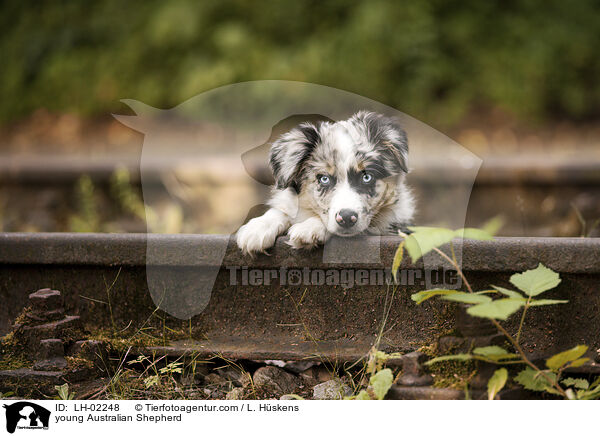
point(381, 379)
point(498, 304)
point(63, 392)
point(164, 373)
point(122, 190)
point(162, 376)
point(87, 218)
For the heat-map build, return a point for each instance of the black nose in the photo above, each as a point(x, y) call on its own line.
point(346, 218)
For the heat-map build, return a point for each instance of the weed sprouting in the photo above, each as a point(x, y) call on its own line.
point(529, 285)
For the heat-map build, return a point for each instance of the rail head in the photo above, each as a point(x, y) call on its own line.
point(566, 255)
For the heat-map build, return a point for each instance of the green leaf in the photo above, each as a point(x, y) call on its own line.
point(419, 297)
point(492, 226)
point(546, 302)
point(561, 359)
point(382, 382)
point(578, 362)
point(469, 233)
point(494, 352)
point(362, 395)
point(466, 297)
point(534, 380)
point(397, 260)
point(592, 394)
point(507, 292)
point(496, 382)
point(578, 383)
point(462, 357)
point(425, 239)
point(489, 351)
point(151, 381)
point(497, 309)
point(536, 281)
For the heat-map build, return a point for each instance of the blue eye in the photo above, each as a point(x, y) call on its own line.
point(324, 180)
point(367, 178)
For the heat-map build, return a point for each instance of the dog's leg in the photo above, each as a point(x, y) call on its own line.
point(308, 233)
point(260, 233)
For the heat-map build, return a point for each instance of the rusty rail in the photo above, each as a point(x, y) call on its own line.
point(276, 321)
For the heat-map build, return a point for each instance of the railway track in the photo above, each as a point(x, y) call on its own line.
point(290, 321)
point(537, 196)
point(103, 279)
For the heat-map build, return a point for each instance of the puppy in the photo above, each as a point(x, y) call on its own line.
point(341, 178)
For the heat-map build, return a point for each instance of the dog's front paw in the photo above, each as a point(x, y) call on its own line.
point(307, 234)
point(258, 235)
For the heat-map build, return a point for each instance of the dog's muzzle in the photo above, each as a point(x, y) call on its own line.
point(346, 218)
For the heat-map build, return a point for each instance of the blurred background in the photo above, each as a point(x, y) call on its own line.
point(515, 82)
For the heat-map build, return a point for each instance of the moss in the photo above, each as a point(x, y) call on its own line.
point(452, 373)
point(11, 354)
point(23, 318)
point(14, 362)
point(76, 363)
point(7, 341)
point(121, 343)
point(149, 337)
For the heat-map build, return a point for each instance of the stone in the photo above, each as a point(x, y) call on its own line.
point(276, 381)
point(30, 380)
point(316, 374)
point(214, 379)
point(92, 350)
point(412, 370)
point(235, 394)
point(481, 378)
point(53, 364)
point(45, 300)
point(331, 390)
point(65, 328)
point(288, 397)
point(295, 366)
point(235, 375)
point(50, 355)
point(50, 348)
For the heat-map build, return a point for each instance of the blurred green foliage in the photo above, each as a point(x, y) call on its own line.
point(437, 60)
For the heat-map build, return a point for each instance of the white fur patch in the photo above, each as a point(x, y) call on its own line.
point(308, 234)
point(260, 233)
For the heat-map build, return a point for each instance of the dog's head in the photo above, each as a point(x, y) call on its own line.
point(346, 171)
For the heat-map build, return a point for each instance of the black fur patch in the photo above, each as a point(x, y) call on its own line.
point(355, 180)
point(403, 227)
point(388, 137)
point(310, 137)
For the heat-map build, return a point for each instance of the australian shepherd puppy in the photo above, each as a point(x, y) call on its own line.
point(340, 178)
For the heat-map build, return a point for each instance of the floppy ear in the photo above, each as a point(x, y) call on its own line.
point(290, 152)
point(387, 135)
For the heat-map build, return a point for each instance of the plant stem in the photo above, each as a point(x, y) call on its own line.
point(523, 319)
point(452, 261)
point(458, 268)
point(526, 360)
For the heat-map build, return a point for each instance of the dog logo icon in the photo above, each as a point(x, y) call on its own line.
point(26, 415)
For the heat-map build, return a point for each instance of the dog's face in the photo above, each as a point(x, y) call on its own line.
point(346, 172)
